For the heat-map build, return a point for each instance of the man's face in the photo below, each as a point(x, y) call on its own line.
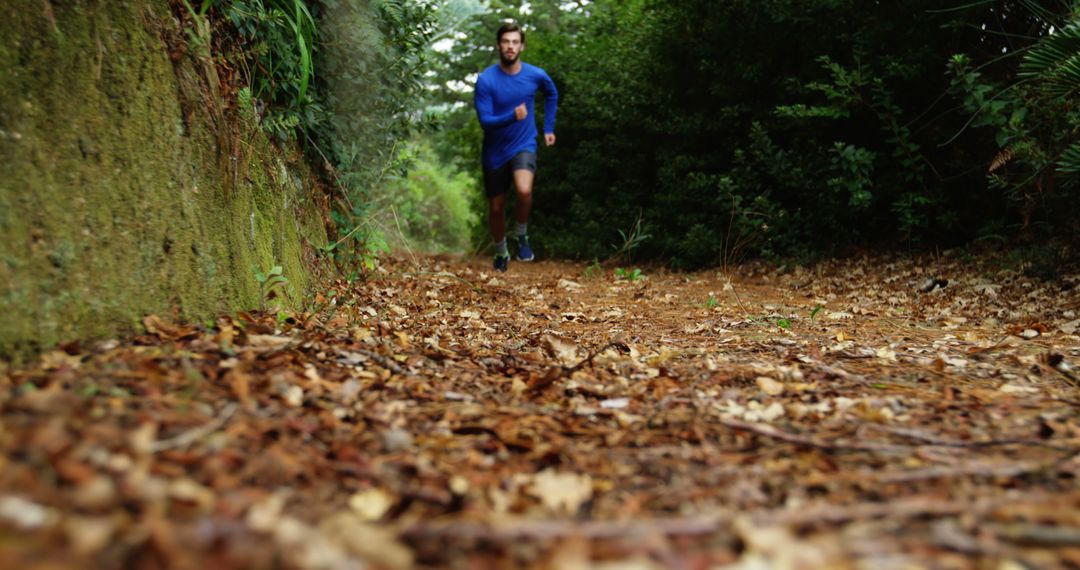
point(510, 47)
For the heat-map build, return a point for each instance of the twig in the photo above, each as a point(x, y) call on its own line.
point(195, 434)
point(515, 529)
point(1011, 470)
point(974, 351)
point(380, 360)
point(942, 442)
point(979, 468)
point(348, 235)
point(333, 171)
point(507, 530)
point(840, 373)
point(982, 468)
point(949, 534)
point(557, 372)
point(737, 298)
point(404, 239)
point(1057, 363)
point(893, 324)
point(1069, 376)
point(769, 431)
point(836, 514)
point(1042, 535)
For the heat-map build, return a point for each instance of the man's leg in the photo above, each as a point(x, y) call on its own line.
point(523, 183)
point(497, 224)
point(496, 184)
point(497, 217)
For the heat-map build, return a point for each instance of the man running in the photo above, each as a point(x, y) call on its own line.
point(505, 93)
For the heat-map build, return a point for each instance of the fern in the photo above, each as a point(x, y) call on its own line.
point(282, 34)
point(1055, 62)
point(1001, 159)
point(1069, 161)
point(1046, 13)
point(281, 125)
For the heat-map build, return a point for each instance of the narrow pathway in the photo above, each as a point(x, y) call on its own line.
point(875, 413)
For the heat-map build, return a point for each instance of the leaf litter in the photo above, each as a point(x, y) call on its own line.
point(841, 416)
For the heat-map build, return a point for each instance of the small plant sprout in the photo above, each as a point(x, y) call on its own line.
point(628, 274)
point(814, 312)
point(592, 270)
point(269, 284)
point(630, 241)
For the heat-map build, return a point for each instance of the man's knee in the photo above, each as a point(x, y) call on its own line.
point(524, 192)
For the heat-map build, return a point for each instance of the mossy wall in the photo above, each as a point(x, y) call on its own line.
point(127, 187)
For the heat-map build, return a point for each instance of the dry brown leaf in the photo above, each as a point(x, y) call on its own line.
point(561, 492)
point(565, 351)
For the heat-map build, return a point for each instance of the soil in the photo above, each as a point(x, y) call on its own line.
point(878, 412)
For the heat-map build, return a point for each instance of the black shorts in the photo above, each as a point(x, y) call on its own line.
point(498, 181)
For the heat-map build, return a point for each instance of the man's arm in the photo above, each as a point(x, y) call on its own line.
point(551, 104)
point(485, 109)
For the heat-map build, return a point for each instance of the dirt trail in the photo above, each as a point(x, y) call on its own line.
point(854, 415)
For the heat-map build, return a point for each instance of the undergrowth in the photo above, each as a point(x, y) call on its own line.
point(339, 78)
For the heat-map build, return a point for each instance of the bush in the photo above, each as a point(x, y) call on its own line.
point(279, 57)
point(432, 204)
point(371, 61)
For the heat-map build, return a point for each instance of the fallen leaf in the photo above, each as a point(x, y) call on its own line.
point(1070, 327)
point(26, 515)
point(769, 386)
point(566, 352)
point(886, 353)
point(371, 505)
point(378, 545)
point(294, 396)
point(156, 326)
point(1011, 388)
point(569, 285)
point(563, 493)
point(89, 535)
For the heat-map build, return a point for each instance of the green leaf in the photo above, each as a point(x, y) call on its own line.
point(1069, 162)
point(1018, 116)
point(276, 280)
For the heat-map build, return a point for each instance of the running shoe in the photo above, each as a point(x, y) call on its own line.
point(501, 261)
point(524, 252)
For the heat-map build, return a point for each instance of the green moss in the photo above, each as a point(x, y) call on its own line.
point(117, 195)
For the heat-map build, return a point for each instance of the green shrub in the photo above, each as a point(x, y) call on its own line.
point(371, 59)
point(279, 59)
point(431, 204)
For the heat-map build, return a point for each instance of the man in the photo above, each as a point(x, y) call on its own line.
point(505, 93)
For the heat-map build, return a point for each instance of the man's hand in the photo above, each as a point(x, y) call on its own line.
point(549, 139)
point(521, 112)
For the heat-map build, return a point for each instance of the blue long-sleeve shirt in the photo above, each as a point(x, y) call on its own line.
point(497, 94)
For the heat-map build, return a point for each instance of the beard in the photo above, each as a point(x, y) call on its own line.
point(507, 61)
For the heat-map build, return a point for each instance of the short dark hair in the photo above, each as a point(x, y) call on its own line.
point(507, 28)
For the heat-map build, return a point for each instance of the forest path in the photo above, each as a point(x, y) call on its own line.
point(853, 415)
